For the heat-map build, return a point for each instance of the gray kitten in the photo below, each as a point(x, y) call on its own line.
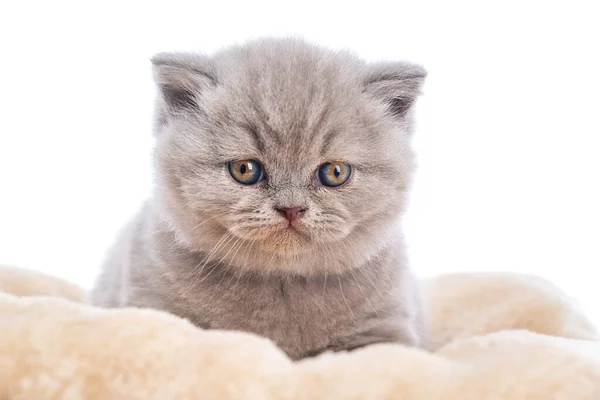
point(281, 174)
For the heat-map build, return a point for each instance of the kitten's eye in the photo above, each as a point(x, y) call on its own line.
point(246, 172)
point(334, 174)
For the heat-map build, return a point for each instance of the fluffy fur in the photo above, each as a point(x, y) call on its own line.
point(217, 253)
point(56, 349)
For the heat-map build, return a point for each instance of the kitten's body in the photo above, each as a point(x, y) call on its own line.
point(304, 315)
point(217, 253)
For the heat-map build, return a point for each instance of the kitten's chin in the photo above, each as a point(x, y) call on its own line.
point(284, 242)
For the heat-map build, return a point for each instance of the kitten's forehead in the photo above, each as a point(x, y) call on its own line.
point(295, 98)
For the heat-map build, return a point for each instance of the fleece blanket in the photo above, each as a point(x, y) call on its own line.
point(493, 336)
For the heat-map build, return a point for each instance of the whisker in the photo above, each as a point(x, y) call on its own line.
point(223, 257)
point(229, 264)
point(226, 238)
point(325, 277)
point(344, 297)
point(241, 271)
point(207, 220)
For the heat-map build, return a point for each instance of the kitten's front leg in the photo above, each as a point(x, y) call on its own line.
point(408, 334)
point(411, 335)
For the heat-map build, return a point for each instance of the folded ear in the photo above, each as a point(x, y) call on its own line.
point(181, 78)
point(397, 84)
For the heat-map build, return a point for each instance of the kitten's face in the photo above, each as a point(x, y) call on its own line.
point(282, 125)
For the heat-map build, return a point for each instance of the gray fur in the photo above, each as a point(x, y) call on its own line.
point(213, 251)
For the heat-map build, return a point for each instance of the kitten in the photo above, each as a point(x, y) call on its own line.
point(282, 170)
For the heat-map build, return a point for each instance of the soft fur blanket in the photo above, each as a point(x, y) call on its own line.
point(494, 336)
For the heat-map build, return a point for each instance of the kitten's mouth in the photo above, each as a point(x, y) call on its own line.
point(281, 234)
point(294, 228)
point(292, 231)
point(289, 226)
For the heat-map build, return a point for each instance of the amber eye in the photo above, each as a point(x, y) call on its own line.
point(246, 172)
point(334, 174)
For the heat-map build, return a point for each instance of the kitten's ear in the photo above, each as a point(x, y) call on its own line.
point(181, 78)
point(397, 84)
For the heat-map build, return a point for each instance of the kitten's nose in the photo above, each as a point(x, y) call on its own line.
point(291, 213)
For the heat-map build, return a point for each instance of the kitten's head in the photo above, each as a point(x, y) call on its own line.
point(281, 155)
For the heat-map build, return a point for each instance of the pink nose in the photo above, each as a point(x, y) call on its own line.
point(291, 213)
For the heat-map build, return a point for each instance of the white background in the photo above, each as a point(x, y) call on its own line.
point(508, 127)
